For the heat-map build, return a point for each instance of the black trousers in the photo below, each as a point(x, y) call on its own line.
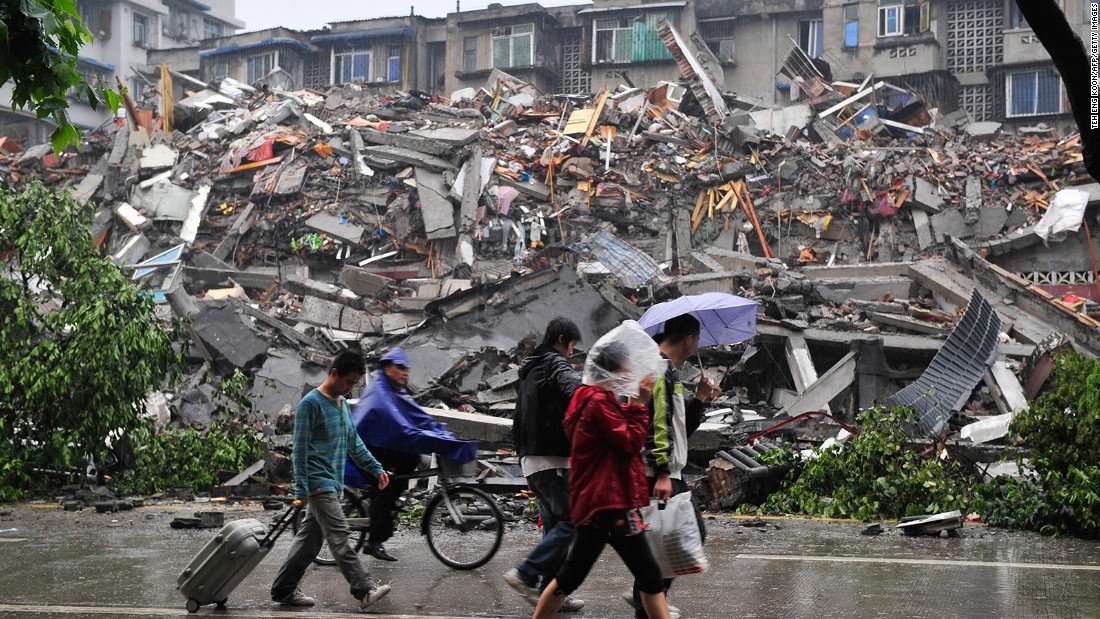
point(609, 527)
point(384, 502)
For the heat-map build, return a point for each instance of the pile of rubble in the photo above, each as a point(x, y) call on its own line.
point(290, 225)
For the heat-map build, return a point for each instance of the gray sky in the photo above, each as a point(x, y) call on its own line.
point(299, 15)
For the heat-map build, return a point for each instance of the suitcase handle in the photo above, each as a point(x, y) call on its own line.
point(282, 523)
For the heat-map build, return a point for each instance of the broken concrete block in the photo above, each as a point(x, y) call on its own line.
point(984, 131)
point(133, 220)
point(158, 157)
point(926, 196)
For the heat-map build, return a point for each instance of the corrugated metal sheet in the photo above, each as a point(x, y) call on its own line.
point(956, 369)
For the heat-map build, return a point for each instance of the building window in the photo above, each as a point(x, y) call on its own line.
point(353, 66)
point(1031, 93)
point(258, 67)
point(393, 65)
point(851, 25)
point(719, 39)
point(141, 30)
point(612, 41)
point(137, 89)
point(809, 36)
point(513, 46)
point(221, 70)
point(469, 54)
point(211, 29)
point(898, 17)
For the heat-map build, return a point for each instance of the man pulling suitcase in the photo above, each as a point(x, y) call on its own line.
point(323, 437)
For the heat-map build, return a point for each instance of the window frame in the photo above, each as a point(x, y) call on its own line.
point(848, 21)
point(469, 54)
point(250, 63)
point(883, 20)
point(393, 64)
point(137, 89)
point(339, 58)
point(211, 29)
point(509, 37)
point(1010, 82)
point(617, 31)
point(143, 22)
point(813, 30)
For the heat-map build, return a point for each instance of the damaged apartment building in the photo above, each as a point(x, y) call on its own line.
point(910, 211)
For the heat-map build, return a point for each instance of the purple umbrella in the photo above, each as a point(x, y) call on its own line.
point(723, 318)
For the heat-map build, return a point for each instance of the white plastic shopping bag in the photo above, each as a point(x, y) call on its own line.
point(674, 536)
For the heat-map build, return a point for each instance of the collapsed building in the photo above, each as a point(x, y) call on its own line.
point(895, 251)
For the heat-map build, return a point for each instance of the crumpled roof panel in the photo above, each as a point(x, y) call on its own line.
point(946, 385)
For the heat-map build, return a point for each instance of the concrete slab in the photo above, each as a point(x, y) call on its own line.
point(227, 338)
point(131, 218)
point(991, 221)
point(452, 136)
point(194, 217)
point(926, 196)
point(164, 201)
point(332, 225)
point(158, 157)
point(817, 396)
point(87, 187)
point(949, 222)
point(437, 210)
point(924, 228)
point(322, 313)
point(411, 157)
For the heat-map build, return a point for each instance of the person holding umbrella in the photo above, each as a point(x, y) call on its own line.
point(680, 327)
point(672, 421)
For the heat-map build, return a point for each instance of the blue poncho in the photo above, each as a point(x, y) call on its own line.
point(385, 417)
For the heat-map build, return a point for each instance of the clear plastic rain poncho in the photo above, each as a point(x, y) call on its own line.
point(620, 359)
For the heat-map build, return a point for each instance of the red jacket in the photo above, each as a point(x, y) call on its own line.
point(606, 469)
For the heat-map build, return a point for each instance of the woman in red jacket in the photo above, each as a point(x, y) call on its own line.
point(607, 485)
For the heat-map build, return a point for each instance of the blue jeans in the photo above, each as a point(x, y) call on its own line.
point(551, 488)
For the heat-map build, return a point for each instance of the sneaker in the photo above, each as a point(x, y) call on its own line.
point(378, 551)
point(374, 594)
point(628, 597)
point(571, 604)
point(295, 599)
point(515, 580)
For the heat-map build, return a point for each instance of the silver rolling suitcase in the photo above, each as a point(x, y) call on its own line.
point(228, 558)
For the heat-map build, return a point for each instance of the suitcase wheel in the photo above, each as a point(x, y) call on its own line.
point(192, 605)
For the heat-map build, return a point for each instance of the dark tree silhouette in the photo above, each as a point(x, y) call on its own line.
point(1071, 57)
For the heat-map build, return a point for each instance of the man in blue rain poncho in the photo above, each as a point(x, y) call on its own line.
point(397, 431)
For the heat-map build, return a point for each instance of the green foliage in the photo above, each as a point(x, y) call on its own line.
point(193, 456)
point(39, 43)
point(873, 477)
point(1062, 427)
point(82, 344)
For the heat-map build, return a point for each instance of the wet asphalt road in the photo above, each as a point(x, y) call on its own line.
point(87, 565)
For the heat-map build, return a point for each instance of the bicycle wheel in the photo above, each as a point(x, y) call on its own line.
point(358, 521)
point(467, 533)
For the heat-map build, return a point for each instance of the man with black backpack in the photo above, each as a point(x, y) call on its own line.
point(547, 383)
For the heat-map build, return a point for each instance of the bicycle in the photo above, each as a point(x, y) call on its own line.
point(463, 524)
